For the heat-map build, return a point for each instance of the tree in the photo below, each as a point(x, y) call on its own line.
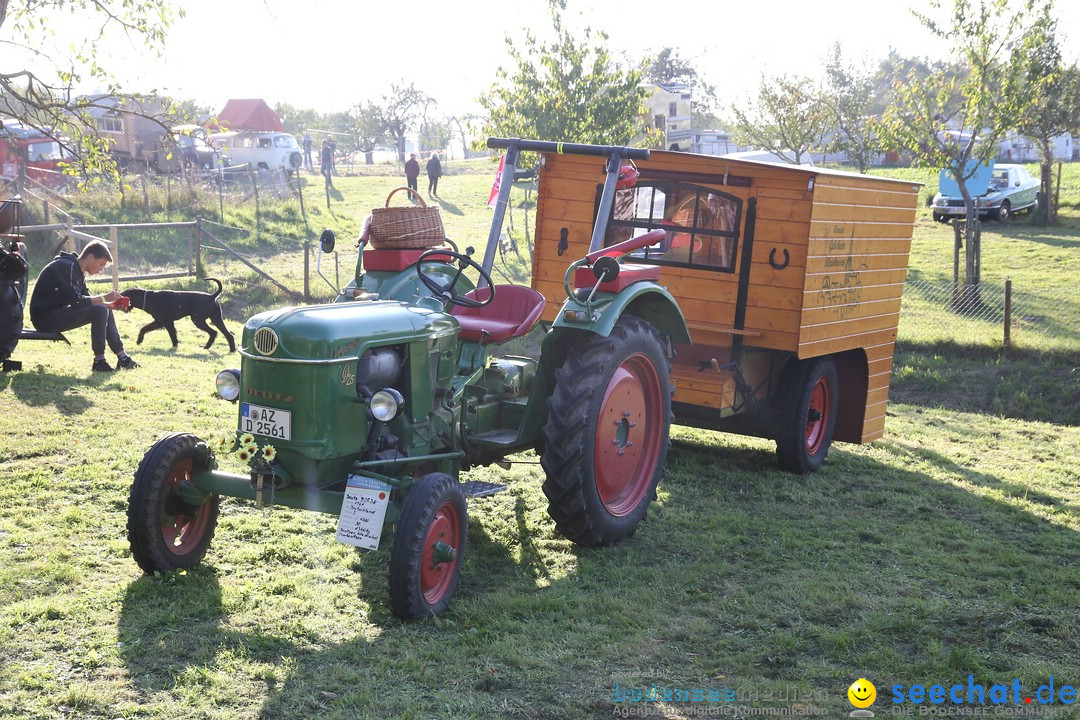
point(369, 128)
point(1053, 111)
point(569, 90)
point(45, 97)
point(401, 109)
point(296, 120)
point(848, 96)
point(787, 115)
point(954, 122)
point(667, 68)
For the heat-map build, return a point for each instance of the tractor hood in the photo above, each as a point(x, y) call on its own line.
point(335, 332)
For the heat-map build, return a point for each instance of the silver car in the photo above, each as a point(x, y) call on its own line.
point(1011, 190)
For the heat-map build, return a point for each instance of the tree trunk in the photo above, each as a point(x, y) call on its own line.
point(369, 157)
point(970, 296)
point(1046, 192)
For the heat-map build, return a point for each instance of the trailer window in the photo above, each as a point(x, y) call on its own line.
point(702, 224)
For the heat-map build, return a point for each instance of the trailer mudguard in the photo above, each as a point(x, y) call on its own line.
point(648, 300)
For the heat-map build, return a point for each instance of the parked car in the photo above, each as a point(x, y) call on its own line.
point(195, 149)
point(1011, 190)
point(261, 150)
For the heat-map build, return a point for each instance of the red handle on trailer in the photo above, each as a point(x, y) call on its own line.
point(628, 246)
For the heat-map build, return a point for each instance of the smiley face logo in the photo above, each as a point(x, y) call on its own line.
point(862, 693)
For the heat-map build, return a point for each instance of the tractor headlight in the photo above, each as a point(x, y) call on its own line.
point(386, 404)
point(228, 384)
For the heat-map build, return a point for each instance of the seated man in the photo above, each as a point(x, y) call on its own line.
point(61, 302)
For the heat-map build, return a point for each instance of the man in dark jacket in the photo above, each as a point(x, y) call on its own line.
point(434, 172)
point(412, 171)
point(61, 302)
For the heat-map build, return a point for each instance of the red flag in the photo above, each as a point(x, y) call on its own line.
point(498, 182)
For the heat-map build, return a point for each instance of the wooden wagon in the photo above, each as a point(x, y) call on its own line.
point(789, 278)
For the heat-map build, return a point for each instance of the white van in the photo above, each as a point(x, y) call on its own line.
point(260, 150)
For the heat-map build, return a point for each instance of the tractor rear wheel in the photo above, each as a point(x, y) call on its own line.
point(807, 416)
point(606, 438)
point(165, 531)
point(429, 548)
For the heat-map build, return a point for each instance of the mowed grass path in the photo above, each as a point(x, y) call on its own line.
point(948, 548)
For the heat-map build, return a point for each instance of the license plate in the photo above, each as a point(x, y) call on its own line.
point(268, 422)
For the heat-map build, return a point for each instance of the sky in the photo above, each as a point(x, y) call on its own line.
point(330, 55)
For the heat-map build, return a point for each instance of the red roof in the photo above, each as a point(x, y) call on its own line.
point(249, 115)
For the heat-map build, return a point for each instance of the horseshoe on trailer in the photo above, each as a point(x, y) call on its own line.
point(776, 265)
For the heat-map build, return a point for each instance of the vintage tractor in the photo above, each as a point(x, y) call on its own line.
point(373, 406)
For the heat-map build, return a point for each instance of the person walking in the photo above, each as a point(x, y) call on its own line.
point(326, 164)
point(307, 152)
point(412, 172)
point(61, 302)
point(434, 172)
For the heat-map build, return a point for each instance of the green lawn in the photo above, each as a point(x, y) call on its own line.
point(948, 548)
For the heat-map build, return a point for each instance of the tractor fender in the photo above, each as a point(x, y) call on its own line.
point(649, 301)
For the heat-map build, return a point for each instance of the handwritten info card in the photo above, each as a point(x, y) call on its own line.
point(362, 512)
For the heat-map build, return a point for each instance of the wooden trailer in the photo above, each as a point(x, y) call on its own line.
point(789, 278)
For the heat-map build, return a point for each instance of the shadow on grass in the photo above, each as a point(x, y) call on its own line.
point(1020, 383)
point(449, 207)
point(38, 388)
point(742, 573)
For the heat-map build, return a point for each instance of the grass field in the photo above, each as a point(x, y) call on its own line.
point(949, 548)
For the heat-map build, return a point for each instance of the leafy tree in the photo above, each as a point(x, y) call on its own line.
point(44, 96)
point(667, 68)
point(954, 121)
point(368, 126)
point(296, 120)
point(1054, 110)
point(569, 89)
point(401, 110)
point(848, 96)
point(788, 115)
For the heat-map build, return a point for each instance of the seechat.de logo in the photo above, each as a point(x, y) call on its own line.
point(862, 695)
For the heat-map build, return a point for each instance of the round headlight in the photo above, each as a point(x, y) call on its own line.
point(386, 404)
point(228, 384)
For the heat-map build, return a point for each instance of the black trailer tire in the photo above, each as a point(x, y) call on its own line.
point(1004, 212)
point(807, 415)
point(606, 438)
point(165, 532)
point(434, 512)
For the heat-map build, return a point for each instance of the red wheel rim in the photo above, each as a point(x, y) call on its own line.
point(628, 435)
point(817, 416)
point(436, 574)
point(182, 526)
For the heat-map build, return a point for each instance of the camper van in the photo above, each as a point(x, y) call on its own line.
point(260, 150)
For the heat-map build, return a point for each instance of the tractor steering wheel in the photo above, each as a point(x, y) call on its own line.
point(448, 291)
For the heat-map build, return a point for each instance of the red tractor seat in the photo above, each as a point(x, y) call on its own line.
point(513, 312)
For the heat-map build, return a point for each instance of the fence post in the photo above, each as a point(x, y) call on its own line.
point(197, 236)
point(300, 192)
point(114, 240)
point(168, 194)
point(255, 187)
point(1008, 312)
point(145, 197)
point(307, 271)
point(45, 207)
point(958, 242)
point(69, 235)
point(221, 195)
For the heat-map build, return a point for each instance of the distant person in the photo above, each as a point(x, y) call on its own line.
point(333, 156)
point(434, 172)
point(61, 302)
point(326, 165)
point(307, 151)
point(412, 171)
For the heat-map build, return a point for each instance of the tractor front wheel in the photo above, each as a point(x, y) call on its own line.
point(807, 416)
point(606, 438)
point(429, 548)
point(165, 530)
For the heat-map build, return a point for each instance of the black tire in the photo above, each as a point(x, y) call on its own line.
point(606, 438)
point(434, 511)
point(805, 432)
point(165, 532)
point(1004, 212)
point(941, 218)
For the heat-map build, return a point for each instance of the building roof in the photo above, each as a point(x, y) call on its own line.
point(253, 114)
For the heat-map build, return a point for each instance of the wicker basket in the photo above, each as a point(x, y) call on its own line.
point(406, 228)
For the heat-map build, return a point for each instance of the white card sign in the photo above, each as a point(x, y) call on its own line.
point(362, 512)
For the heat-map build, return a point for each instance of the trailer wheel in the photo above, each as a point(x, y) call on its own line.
point(429, 548)
point(166, 532)
point(606, 438)
point(808, 416)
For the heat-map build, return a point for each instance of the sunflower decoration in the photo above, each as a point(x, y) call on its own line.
point(243, 455)
point(247, 439)
point(226, 443)
point(269, 452)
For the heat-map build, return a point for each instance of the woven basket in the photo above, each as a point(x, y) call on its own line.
point(406, 228)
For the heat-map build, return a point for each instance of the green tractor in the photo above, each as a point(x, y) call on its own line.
point(375, 406)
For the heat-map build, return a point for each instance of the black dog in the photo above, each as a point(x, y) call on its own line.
point(168, 306)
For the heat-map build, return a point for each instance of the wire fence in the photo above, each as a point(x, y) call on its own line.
point(1004, 315)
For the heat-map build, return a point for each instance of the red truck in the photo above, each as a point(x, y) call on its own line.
point(38, 153)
